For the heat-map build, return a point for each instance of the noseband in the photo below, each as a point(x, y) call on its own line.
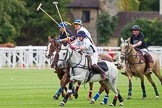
point(65, 60)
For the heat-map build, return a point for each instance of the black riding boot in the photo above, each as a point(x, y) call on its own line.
point(99, 69)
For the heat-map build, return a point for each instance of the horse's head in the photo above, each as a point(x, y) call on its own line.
point(64, 55)
point(52, 46)
point(125, 48)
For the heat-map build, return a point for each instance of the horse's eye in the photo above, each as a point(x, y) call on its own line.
point(64, 53)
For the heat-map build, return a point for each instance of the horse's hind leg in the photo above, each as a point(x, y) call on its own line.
point(105, 100)
point(90, 90)
point(69, 92)
point(153, 84)
point(157, 72)
point(102, 88)
point(112, 85)
point(120, 98)
point(63, 82)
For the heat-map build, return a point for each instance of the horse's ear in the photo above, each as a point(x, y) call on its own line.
point(122, 40)
point(49, 37)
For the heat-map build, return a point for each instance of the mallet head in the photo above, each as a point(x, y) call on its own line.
point(55, 3)
point(39, 7)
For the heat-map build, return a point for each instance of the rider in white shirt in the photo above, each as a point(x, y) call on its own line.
point(85, 45)
point(78, 25)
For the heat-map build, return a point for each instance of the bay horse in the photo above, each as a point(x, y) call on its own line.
point(8, 45)
point(136, 66)
point(63, 74)
point(79, 72)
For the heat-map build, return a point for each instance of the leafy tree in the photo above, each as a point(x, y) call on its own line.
point(12, 14)
point(105, 25)
point(39, 25)
point(152, 30)
point(149, 5)
point(128, 5)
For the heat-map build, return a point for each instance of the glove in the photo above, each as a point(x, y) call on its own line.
point(72, 47)
point(58, 40)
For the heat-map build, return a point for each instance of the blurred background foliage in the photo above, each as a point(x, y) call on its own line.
point(21, 23)
point(152, 29)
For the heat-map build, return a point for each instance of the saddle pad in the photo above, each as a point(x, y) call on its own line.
point(103, 65)
point(141, 55)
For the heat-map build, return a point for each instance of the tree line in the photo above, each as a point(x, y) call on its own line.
point(22, 24)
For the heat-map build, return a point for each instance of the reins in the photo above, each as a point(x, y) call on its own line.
point(128, 55)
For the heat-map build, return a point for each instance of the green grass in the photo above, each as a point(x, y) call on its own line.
point(34, 88)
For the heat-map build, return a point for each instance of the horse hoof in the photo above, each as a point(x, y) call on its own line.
point(62, 104)
point(55, 97)
point(129, 97)
point(111, 104)
point(143, 97)
point(75, 94)
point(102, 103)
point(121, 104)
point(88, 98)
point(92, 101)
point(157, 97)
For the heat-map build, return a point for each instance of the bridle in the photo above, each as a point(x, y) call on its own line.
point(67, 57)
point(127, 54)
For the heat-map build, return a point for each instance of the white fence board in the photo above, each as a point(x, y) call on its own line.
point(34, 56)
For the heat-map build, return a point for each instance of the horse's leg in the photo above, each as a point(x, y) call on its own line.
point(63, 82)
point(120, 98)
point(154, 85)
point(69, 92)
point(75, 94)
point(112, 86)
point(143, 87)
point(90, 90)
point(102, 88)
point(129, 87)
point(157, 72)
point(106, 97)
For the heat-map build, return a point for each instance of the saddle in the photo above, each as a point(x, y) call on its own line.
point(102, 64)
point(140, 54)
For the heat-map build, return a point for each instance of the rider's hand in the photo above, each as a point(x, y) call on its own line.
point(72, 47)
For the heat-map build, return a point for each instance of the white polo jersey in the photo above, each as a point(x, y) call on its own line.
point(89, 50)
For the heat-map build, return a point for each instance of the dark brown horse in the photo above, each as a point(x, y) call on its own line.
point(52, 51)
point(136, 66)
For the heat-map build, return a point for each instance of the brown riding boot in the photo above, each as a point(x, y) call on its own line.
point(149, 69)
point(100, 70)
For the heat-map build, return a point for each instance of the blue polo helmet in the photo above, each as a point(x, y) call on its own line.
point(78, 21)
point(81, 34)
point(62, 25)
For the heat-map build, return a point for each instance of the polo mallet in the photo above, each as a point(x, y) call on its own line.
point(39, 8)
point(60, 15)
point(67, 22)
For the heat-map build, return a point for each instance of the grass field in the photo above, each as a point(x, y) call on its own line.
point(34, 88)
